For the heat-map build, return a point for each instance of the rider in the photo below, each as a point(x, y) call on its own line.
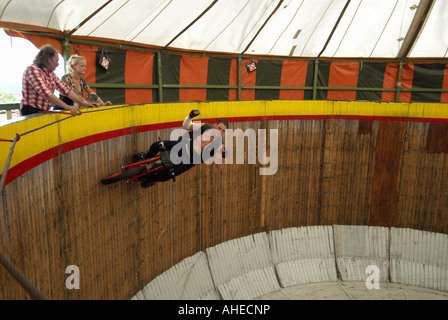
point(203, 139)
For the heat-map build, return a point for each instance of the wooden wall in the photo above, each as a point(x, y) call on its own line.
point(331, 171)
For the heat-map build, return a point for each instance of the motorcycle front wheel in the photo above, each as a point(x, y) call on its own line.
point(122, 175)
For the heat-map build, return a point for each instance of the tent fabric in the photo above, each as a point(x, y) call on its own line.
point(306, 28)
point(136, 67)
point(288, 40)
point(37, 40)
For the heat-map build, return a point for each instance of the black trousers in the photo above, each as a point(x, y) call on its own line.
point(65, 99)
point(178, 168)
point(26, 110)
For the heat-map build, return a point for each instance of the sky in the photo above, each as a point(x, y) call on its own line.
point(15, 55)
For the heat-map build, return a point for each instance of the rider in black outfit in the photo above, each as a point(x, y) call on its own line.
point(193, 144)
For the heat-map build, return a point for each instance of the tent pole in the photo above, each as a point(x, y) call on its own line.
point(69, 33)
point(192, 23)
point(262, 26)
point(159, 75)
point(416, 27)
point(66, 51)
point(400, 71)
point(334, 28)
point(240, 61)
point(316, 70)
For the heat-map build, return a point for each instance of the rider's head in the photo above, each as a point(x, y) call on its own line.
point(221, 125)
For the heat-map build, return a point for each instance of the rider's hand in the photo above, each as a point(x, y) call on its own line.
point(194, 113)
point(224, 152)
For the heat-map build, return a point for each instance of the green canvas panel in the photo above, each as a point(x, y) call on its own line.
point(218, 73)
point(170, 75)
point(155, 80)
point(269, 73)
point(371, 75)
point(308, 95)
point(427, 76)
point(323, 75)
point(114, 75)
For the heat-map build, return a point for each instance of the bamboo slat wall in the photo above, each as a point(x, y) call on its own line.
point(331, 171)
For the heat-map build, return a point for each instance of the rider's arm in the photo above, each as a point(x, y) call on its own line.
point(187, 124)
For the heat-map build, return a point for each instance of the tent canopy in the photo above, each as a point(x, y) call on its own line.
point(306, 28)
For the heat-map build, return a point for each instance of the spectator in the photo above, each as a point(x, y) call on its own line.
point(76, 67)
point(39, 82)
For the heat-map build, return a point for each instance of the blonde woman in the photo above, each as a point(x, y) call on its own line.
point(77, 66)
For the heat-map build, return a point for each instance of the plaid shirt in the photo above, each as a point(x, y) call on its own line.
point(38, 84)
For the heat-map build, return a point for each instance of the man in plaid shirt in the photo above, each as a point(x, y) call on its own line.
point(39, 82)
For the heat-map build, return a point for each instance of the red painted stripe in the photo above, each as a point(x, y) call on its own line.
point(28, 164)
point(34, 161)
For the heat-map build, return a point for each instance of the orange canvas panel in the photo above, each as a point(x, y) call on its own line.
point(26, 27)
point(343, 74)
point(193, 70)
point(407, 76)
point(293, 74)
point(390, 81)
point(139, 70)
point(233, 80)
point(444, 96)
point(248, 79)
point(38, 41)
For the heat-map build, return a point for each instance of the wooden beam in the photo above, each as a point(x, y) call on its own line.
point(69, 33)
point(261, 28)
point(421, 15)
point(334, 28)
point(192, 23)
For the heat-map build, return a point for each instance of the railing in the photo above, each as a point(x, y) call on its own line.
point(9, 107)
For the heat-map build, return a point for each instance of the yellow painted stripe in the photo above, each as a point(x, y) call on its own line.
point(106, 119)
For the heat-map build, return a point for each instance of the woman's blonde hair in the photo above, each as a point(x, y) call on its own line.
point(73, 61)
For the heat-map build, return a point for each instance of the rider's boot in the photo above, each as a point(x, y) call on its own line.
point(146, 183)
point(155, 148)
point(139, 156)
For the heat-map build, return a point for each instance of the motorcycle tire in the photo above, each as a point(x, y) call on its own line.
point(122, 175)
